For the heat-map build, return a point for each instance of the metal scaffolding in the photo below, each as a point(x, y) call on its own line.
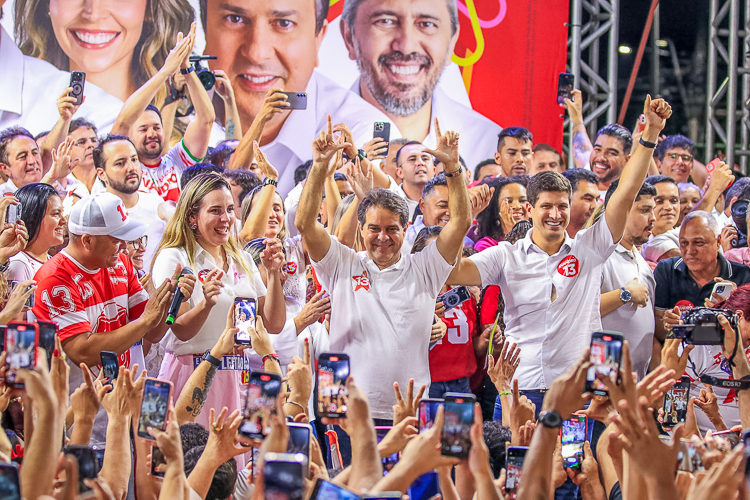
point(724, 102)
point(593, 24)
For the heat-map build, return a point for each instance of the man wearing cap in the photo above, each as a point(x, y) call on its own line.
point(91, 291)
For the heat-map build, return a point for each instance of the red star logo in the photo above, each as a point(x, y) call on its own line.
point(362, 281)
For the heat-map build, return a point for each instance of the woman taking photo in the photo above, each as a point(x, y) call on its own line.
point(199, 236)
point(42, 214)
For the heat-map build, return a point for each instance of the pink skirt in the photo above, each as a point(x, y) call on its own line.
point(226, 389)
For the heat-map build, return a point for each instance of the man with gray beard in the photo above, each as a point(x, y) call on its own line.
point(401, 48)
point(628, 285)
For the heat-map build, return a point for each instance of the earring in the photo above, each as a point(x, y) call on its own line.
point(193, 226)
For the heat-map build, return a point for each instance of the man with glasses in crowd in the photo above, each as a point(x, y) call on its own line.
point(674, 157)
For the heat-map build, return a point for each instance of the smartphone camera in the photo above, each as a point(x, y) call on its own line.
point(21, 341)
point(157, 459)
point(454, 297)
point(573, 438)
point(426, 413)
point(701, 326)
point(154, 406)
point(13, 214)
point(10, 488)
point(514, 458)
point(284, 476)
point(388, 462)
point(88, 465)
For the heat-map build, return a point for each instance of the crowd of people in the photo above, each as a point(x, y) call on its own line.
point(429, 270)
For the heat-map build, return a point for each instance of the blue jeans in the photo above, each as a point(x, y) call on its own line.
point(536, 397)
point(345, 444)
point(460, 385)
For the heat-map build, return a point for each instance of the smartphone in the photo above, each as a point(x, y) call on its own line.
point(296, 100)
point(88, 465)
point(260, 403)
point(331, 392)
point(299, 440)
point(110, 365)
point(244, 319)
point(13, 214)
point(284, 476)
point(388, 462)
point(30, 301)
point(47, 332)
point(514, 457)
point(565, 84)
point(606, 354)
point(21, 341)
point(382, 130)
point(711, 166)
point(10, 489)
point(77, 82)
point(723, 290)
point(426, 413)
point(676, 402)
point(324, 490)
point(154, 406)
point(573, 436)
point(157, 459)
point(457, 422)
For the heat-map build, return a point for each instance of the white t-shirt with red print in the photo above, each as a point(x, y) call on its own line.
point(164, 178)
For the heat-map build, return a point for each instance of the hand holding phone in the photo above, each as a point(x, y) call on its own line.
point(514, 458)
point(458, 419)
point(77, 82)
point(21, 342)
point(723, 290)
point(260, 403)
point(573, 437)
point(565, 84)
point(244, 319)
point(606, 355)
point(676, 403)
point(154, 406)
point(331, 392)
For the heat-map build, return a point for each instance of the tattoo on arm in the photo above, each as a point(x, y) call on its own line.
point(230, 128)
point(200, 395)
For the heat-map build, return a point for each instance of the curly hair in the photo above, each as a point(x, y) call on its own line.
point(162, 21)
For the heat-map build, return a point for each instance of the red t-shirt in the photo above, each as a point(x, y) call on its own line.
point(453, 356)
point(80, 300)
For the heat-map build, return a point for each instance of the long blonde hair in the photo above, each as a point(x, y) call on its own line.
point(178, 233)
point(163, 20)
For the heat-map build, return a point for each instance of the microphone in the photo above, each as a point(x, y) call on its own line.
point(177, 299)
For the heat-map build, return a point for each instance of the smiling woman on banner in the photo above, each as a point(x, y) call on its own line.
point(199, 236)
point(119, 44)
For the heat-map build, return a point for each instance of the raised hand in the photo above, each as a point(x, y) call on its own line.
point(362, 182)
point(222, 444)
point(501, 370)
point(347, 137)
point(223, 86)
point(325, 147)
point(263, 164)
point(272, 257)
point(479, 197)
point(274, 103)
point(657, 112)
point(260, 339)
point(212, 286)
point(375, 148)
point(313, 311)
point(406, 408)
point(178, 54)
point(671, 360)
point(65, 105)
point(447, 148)
point(62, 164)
point(575, 107)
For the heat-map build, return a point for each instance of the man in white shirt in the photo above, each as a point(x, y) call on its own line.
point(118, 168)
point(260, 50)
point(550, 281)
point(585, 197)
point(83, 180)
point(30, 87)
point(20, 159)
point(401, 49)
point(416, 166)
point(374, 283)
point(628, 285)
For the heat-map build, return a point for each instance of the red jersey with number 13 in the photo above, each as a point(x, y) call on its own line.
point(453, 356)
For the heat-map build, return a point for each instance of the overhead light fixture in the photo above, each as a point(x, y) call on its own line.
point(661, 43)
point(624, 49)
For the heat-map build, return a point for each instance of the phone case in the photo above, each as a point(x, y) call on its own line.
point(77, 82)
point(297, 100)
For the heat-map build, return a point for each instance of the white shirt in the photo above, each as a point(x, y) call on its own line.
point(23, 266)
point(293, 146)
point(164, 178)
point(296, 270)
point(8, 187)
point(30, 87)
point(479, 135)
point(551, 335)
point(656, 246)
point(291, 202)
point(146, 212)
point(236, 284)
point(412, 204)
point(635, 323)
point(413, 231)
point(382, 318)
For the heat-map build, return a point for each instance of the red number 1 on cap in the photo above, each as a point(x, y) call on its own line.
point(122, 212)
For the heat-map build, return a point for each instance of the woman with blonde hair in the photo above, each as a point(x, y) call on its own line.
point(119, 45)
point(199, 235)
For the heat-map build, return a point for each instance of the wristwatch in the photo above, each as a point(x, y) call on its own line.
point(647, 144)
point(625, 295)
point(270, 182)
point(454, 174)
point(188, 70)
point(362, 155)
point(207, 357)
point(550, 418)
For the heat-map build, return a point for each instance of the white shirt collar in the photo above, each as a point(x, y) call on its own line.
point(526, 242)
point(12, 67)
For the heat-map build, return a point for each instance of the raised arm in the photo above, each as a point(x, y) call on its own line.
point(581, 143)
point(634, 173)
point(380, 178)
point(224, 89)
point(718, 181)
point(451, 239)
point(137, 102)
point(315, 238)
point(257, 221)
point(59, 132)
point(274, 103)
point(198, 132)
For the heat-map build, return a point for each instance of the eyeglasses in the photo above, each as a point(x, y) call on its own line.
point(143, 240)
point(685, 158)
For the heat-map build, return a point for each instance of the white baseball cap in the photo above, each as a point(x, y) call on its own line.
point(104, 214)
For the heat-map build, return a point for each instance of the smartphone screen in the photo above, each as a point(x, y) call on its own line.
point(564, 87)
point(47, 331)
point(154, 406)
point(262, 391)
point(688, 459)
point(426, 413)
point(244, 319)
point(157, 459)
point(606, 352)
point(110, 365)
point(284, 476)
point(457, 422)
point(573, 437)
point(299, 439)
point(388, 462)
point(333, 370)
point(10, 488)
point(88, 465)
point(30, 300)
point(20, 346)
point(514, 457)
point(13, 215)
point(676, 402)
point(325, 490)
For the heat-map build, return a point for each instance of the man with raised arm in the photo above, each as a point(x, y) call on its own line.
point(373, 284)
point(551, 282)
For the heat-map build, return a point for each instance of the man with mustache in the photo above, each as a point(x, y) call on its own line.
point(401, 48)
point(628, 285)
point(585, 197)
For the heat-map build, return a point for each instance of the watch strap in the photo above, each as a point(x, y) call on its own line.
point(551, 419)
point(647, 144)
point(456, 173)
point(212, 360)
point(362, 155)
point(188, 70)
point(270, 182)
